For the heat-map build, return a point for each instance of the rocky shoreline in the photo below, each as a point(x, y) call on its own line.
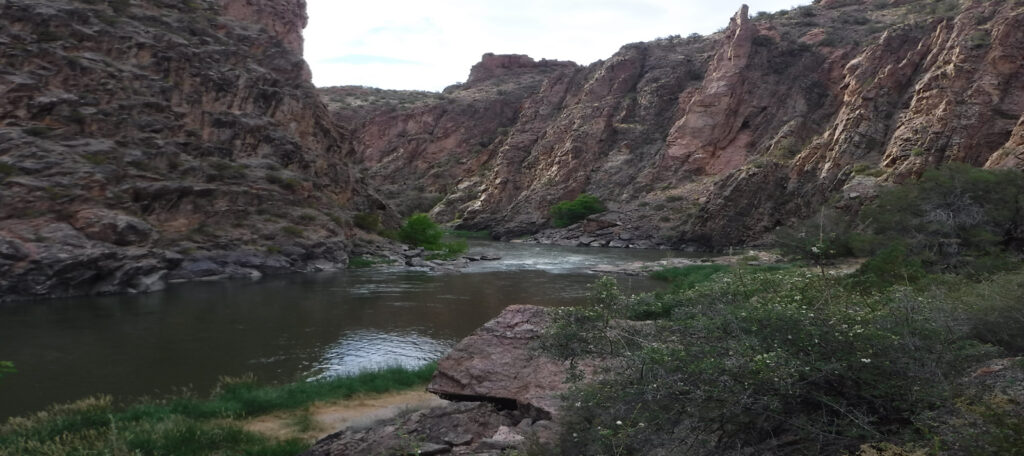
point(503, 393)
point(112, 253)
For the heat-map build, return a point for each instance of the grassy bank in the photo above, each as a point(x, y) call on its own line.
point(187, 425)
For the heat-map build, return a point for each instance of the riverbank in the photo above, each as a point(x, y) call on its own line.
point(280, 327)
point(227, 422)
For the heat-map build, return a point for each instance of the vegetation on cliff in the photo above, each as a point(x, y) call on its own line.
point(187, 425)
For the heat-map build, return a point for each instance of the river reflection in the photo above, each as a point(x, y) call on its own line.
point(283, 328)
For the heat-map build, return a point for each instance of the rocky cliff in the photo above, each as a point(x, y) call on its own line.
point(707, 141)
point(151, 141)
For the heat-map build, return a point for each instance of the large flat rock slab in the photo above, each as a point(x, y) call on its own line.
point(498, 364)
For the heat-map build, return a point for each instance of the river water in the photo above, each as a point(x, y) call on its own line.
point(282, 328)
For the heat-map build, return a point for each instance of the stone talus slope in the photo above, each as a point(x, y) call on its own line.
point(710, 141)
point(151, 141)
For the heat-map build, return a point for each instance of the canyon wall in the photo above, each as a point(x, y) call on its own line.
point(150, 141)
point(706, 141)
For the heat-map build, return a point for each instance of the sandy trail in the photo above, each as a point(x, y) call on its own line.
point(321, 419)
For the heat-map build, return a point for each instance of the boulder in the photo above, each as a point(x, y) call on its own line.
point(497, 364)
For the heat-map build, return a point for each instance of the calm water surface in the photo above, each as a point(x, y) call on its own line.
point(281, 328)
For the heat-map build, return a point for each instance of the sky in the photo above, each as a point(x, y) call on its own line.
point(428, 45)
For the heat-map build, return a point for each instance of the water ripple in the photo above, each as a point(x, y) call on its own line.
point(362, 350)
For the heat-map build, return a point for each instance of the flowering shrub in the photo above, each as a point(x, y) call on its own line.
point(774, 363)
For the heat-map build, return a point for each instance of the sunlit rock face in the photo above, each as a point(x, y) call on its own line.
point(706, 141)
point(149, 140)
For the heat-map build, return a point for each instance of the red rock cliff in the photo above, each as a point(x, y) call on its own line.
point(713, 141)
point(151, 141)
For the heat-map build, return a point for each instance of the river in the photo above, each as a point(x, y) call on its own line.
point(281, 328)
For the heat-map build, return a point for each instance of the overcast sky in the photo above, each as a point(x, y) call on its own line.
point(427, 45)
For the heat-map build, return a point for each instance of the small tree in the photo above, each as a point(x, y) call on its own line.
point(418, 230)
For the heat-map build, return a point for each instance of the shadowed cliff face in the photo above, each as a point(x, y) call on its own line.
point(141, 139)
point(708, 141)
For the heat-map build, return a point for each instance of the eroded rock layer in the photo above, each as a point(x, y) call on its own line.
point(149, 141)
point(707, 141)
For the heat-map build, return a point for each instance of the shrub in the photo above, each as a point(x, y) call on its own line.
point(890, 266)
point(566, 213)
point(220, 170)
point(7, 169)
point(819, 240)
point(6, 367)
point(994, 310)
point(956, 218)
point(292, 231)
point(979, 39)
point(751, 356)
point(37, 131)
point(418, 230)
point(367, 221)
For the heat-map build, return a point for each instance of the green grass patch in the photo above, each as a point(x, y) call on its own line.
point(187, 425)
point(688, 277)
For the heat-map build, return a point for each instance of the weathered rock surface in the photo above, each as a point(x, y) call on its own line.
point(455, 428)
point(505, 397)
point(713, 141)
point(152, 141)
point(497, 364)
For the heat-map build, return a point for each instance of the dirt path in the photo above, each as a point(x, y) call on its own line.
point(322, 419)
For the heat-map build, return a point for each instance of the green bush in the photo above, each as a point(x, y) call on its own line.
point(890, 266)
point(820, 239)
point(954, 219)
point(6, 367)
point(419, 231)
point(566, 213)
point(739, 361)
point(37, 131)
point(293, 231)
point(994, 310)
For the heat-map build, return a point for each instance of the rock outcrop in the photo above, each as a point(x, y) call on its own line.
point(709, 141)
point(143, 142)
point(498, 364)
point(505, 395)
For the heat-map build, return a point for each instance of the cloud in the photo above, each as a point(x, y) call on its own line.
point(362, 59)
point(412, 44)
